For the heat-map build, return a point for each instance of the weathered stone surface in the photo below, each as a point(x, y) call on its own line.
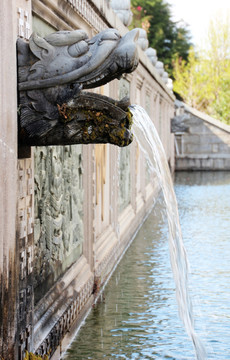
point(124, 179)
point(54, 313)
point(58, 213)
point(8, 184)
point(123, 10)
point(205, 145)
point(178, 124)
point(124, 159)
point(52, 72)
point(152, 55)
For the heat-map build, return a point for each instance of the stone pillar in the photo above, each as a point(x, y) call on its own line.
point(16, 188)
point(8, 179)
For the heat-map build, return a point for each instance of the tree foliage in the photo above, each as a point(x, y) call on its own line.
point(170, 39)
point(204, 81)
point(191, 80)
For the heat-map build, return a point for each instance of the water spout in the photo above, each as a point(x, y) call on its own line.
point(150, 143)
point(53, 71)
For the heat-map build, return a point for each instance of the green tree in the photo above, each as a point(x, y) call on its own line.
point(221, 107)
point(167, 37)
point(192, 81)
point(204, 81)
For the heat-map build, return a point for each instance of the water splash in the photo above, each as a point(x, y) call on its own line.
point(150, 144)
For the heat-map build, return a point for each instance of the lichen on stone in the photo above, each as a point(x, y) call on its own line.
point(31, 356)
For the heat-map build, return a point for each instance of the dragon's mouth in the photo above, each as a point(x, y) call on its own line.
point(87, 118)
point(98, 119)
point(122, 59)
point(53, 109)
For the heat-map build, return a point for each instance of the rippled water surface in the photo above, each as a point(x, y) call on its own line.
point(137, 316)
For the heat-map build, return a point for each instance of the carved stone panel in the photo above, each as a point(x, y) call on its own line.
point(148, 104)
point(101, 160)
point(25, 256)
point(124, 88)
point(124, 158)
point(124, 178)
point(58, 228)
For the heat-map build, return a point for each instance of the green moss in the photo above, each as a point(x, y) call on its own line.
point(31, 356)
point(129, 118)
point(98, 126)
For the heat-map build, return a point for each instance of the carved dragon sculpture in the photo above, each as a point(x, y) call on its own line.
point(52, 73)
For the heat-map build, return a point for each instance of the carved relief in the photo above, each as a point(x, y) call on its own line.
point(23, 23)
point(100, 157)
point(58, 229)
point(124, 88)
point(148, 103)
point(124, 178)
point(25, 243)
point(88, 13)
point(52, 71)
point(66, 320)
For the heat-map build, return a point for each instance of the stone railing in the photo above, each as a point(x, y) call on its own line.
point(201, 142)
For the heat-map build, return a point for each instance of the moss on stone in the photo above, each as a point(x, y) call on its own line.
point(31, 356)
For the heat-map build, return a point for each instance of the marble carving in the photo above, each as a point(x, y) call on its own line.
point(53, 72)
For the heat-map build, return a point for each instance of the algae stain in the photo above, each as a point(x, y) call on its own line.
point(31, 356)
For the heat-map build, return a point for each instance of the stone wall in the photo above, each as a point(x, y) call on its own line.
point(68, 213)
point(201, 142)
point(8, 179)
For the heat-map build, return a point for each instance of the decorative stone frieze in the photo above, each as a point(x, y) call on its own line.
point(25, 241)
point(58, 213)
point(89, 13)
point(73, 309)
point(24, 21)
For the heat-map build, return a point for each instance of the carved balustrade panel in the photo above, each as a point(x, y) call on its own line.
point(124, 158)
point(148, 104)
point(88, 12)
point(58, 225)
point(124, 178)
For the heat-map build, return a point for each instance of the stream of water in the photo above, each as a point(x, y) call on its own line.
point(137, 318)
point(150, 144)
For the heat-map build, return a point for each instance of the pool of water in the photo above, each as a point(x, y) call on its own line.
point(136, 317)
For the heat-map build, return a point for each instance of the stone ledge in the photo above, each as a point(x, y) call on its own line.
point(203, 156)
point(53, 306)
point(203, 164)
point(203, 116)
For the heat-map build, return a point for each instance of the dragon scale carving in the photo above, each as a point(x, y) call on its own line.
point(53, 72)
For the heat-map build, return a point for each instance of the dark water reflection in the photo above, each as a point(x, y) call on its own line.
point(137, 316)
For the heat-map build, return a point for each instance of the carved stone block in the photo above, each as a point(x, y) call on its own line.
point(52, 71)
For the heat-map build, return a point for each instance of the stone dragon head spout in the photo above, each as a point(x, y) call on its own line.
point(53, 72)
